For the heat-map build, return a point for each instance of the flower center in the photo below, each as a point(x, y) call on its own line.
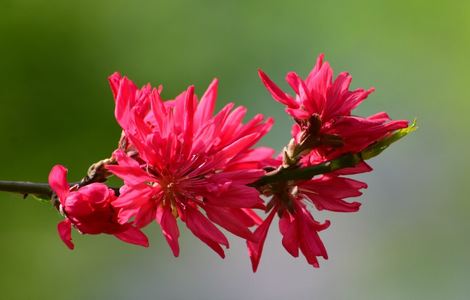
point(170, 198)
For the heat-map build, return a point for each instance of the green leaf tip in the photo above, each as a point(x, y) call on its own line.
point(41, 198)
point(379, 146)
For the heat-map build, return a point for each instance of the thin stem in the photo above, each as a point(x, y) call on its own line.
point(25, 187)
point(286, 174)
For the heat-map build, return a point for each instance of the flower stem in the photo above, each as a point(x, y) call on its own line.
point(26, 188)
point(286, 174)
point(282, 174)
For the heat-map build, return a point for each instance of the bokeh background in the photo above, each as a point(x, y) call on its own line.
point(409, 241)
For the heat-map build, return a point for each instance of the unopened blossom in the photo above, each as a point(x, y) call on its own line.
point(178, 160)
point(89, 210)
point(322, 108)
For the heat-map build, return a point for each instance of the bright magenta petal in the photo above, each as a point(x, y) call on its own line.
point(255, 249)
point(133, 236)
point(169, 228)
point(276, 92)
point(289, 231)
point(205, 230)
point(58, 182)
point(231, 219)
point(65, 232)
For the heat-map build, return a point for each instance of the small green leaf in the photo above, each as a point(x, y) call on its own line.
point(377, 148)
point(42, 198)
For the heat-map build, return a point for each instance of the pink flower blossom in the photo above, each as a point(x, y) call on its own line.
point(296, 224)
point(322, 108)
point(90, 211)
point(182, 161)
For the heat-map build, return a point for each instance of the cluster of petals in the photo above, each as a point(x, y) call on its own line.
point(296, 224)
point(322, 109)
point(89, 209)
point(182, 161)
point(178, 159)
point(331, 103)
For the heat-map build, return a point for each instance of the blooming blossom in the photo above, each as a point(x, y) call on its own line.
point(296, 224)
point(322, 108)
point(180, 161)
point(325, 129)
point(90, 211)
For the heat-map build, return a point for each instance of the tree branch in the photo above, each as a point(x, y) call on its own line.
point(282, 174)
point(286, 174)
point(25, 188)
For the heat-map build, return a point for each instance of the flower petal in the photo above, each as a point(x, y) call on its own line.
point(205, 230)
point(205, 108)
point(231, 219)
point(169, 227)
point(276, 92)
point(133, 236)
point(65, 232)
point(289, 231)
point(255, 249)
point(58, 182)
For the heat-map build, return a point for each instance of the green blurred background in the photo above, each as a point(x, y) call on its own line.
point(409, 241)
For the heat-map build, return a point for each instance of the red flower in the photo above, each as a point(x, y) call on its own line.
point(296, 224)
point(90, 211)
point(322, 110)
point(181, 160)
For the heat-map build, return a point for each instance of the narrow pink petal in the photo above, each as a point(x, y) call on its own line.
point(241, 145)
point(135, 195)
point(334, 186)
point(289, 231)
point(336, 103)
point(238, 196)
point(133, 236)
point(327, 192)
point(131, 175)
point(380, 116)
point(58, 182)
point(158, 108)
point(146, 213)
point(169, 228)
point(294, 81)
point(358, 132)
point(255, 249)
point(205, 109)
point(354, 99)
point(318, 85)
point(65, 232)
point(362, 167)
point(232, 125)
point(230, 219)
point(298, 113)
point(276, 92)
point(125, 100)
point(114, 80)
point(202, 228)
point(310, 242)
point(253, 217)
point(315, 69)
point(188, 126)
point(238, 176)
point(126, 213)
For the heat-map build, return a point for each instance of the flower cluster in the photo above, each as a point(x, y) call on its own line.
point(180, 160)
point(324, 129)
